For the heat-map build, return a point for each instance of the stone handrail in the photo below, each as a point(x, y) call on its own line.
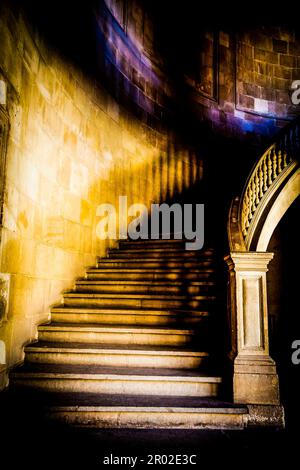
point(268, 173)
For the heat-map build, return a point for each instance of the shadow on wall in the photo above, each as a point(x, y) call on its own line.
point(71, 147)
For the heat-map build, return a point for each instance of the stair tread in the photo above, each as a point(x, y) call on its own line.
point(130, 373)
point(144, 408)
point(90, 400)
point(128, 311)
point(156, 270)
point(162, 259)
point(114, 328)
point(156, 251)
point(138, 296)
point(117, 348)
point(146, 283)
point(155, 240)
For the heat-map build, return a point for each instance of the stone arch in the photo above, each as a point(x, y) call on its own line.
point(284, 200)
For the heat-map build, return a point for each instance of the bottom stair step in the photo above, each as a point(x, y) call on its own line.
point(150, 417)
point(143, 411)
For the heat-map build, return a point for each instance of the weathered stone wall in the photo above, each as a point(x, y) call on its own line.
point(267, 63)
point(70, 148)
point(254, 71)
point(130, 63)
point(239, 79)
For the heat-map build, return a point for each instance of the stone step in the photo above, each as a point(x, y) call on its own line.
point(172, 413)
point(179, 275)
point(158, 253)
point(152, 243)
point(105, 334)
point(144, 287)
point(136, 301)
point(127, 316)
point(128, 381)
point(114, 355)
point(164, 263)
point(132, 411)
point(100, 399)
point(150, 417)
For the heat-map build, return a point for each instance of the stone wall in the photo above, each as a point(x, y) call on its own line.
point(255, 71)
point(130, 63)
point(267, 63)
point(70, 147)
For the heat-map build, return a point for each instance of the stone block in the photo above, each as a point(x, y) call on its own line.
point(288, 60)
point(268, 94)
point(282, 72)
point(294, 48)
point(280, 46)
point(246, 101)
point(281, 84)
point(265, 56)
point(282, 97)
point(261, 106)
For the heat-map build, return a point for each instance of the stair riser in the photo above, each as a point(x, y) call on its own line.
point(121, 386)
point(157, 264)
point(116, 360)
point(157, 245)
point(116, 338)
point(157, 254)
point(141, 320)
point(134, 303)
point(116, 276)
point(162, 419)
point(143, 289)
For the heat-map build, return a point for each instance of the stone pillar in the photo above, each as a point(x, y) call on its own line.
point(255, 380)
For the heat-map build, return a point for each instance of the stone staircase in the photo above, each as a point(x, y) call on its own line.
point(132, 344)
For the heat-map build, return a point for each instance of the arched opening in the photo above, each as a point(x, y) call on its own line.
point(284, 307)
point(287, 195)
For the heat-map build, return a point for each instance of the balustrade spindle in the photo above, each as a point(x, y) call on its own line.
point(256, 188)
point(253, 208)
point(269, 169)
point(261, 181)
point(274, 157)
point(265, 171)
point(250, 204)
point(279, 160)
point(285, 161)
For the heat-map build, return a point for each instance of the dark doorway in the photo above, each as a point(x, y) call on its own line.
point(284, 308)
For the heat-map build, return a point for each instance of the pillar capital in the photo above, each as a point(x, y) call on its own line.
point(249, 261)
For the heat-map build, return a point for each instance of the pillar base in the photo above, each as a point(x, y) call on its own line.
point(268, 416)
point(255, 381)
